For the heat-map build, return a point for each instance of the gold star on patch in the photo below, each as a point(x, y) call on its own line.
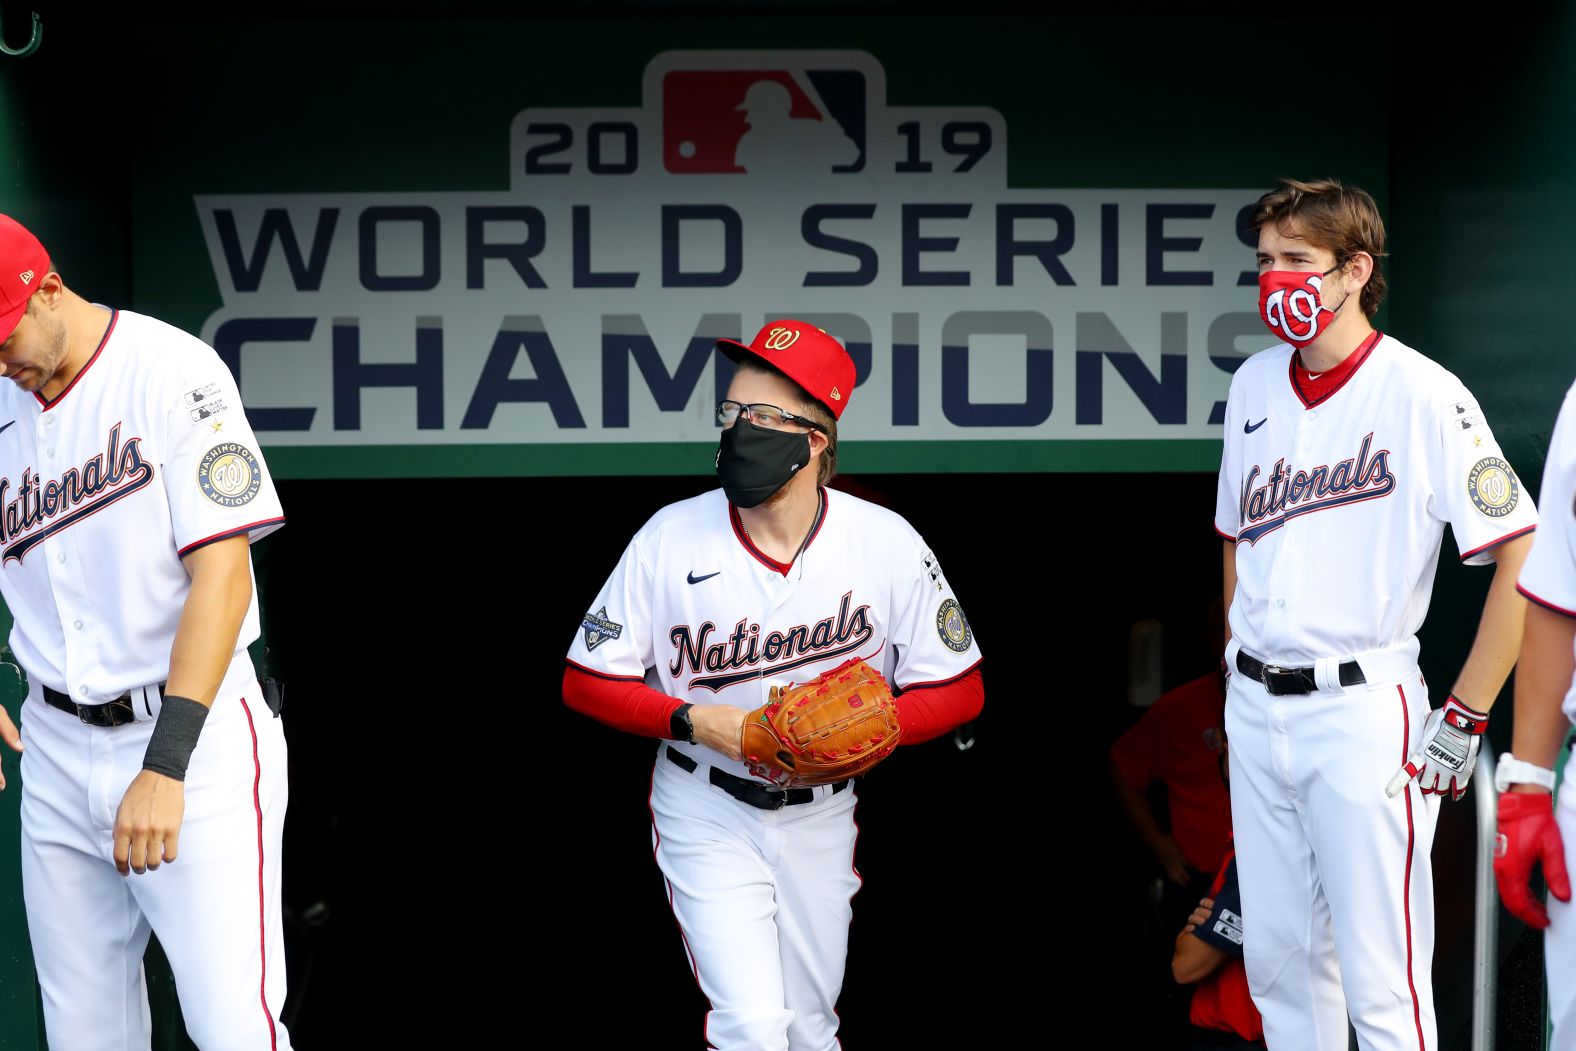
point(1477, 439)
point(217, 424)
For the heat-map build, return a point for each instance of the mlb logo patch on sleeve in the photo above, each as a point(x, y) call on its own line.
point(1229, 926)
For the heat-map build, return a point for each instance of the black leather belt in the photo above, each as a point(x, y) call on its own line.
point(745, 791)
point(1278, 681)
point(111, 713)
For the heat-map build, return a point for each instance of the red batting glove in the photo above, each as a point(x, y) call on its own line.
point(1527, 836)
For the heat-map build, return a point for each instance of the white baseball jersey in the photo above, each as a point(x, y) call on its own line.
point(1338, 508)
point(764, 897)
point(1549, 575)
point(144, 458)
point(696, 610)
point(1549, 579)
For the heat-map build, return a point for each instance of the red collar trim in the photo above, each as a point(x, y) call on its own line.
point(762, 557)
point(1312, 392)
point(114, 316)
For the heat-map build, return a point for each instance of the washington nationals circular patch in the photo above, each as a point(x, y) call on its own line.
point(1493, 487)
point(953, 626)
point(230, 475)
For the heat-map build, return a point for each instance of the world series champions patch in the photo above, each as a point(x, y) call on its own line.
point(953, 626)
point(599, 629)
point(1493, 487)
point(230, 475)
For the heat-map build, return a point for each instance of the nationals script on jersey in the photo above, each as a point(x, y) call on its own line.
point(699, 613)
point(148, 442)
point(1338, 506)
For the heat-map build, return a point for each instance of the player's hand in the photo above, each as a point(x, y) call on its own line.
point(1200, 915)
point(1172, 861)
point(718, 727)
point(10, 735)
point(148, 823)
point(1528, 835)
point(1443, 761)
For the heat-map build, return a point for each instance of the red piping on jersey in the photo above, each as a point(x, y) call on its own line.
point(114, 316)
point(1356, 358)
point(1502, 540)
point(262, 900)
point(1406, 886)
point(762, 557)
point(603, 674)
point(1224, 536)
point(853, 865)
point(939, 682)
point(1545, 603)
point(205, 541)
point(656, 841)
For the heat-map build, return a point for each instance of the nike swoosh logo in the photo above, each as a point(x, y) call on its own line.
point(1249, 428)
point(7, 425)
point(693, 579)
point(1314, 375)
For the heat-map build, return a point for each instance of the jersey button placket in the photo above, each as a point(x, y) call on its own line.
point(1288, 562)
point(65, 577)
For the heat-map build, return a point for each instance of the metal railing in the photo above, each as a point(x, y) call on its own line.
point(1485, 929)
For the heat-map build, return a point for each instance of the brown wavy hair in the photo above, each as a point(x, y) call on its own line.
point(1328, 215)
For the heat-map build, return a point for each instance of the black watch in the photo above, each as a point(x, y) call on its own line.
point(680, 728)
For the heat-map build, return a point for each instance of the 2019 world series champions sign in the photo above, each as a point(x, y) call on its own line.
point(568, 320)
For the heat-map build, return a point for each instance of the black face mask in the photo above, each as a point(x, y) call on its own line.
point(754, 462)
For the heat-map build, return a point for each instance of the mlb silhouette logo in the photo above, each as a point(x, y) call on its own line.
point(722, 122)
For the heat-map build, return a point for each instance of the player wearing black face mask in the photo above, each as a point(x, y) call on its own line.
point(719, 602)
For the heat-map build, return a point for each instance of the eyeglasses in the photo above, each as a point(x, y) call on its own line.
point(728, 413)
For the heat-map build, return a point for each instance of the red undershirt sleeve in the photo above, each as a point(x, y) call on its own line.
point(927, 712)
point(624, 704)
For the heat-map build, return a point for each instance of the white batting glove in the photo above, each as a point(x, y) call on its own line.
point(1443, 762)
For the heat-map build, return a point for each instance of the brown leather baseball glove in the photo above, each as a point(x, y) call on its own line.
point(836, 726)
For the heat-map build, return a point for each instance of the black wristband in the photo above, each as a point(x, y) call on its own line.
point(174, 736)
point(680, 728)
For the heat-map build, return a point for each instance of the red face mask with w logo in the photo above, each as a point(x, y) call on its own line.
point(1289, 304)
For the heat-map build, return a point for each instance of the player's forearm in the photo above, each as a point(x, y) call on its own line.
point(1136, 808)
point(1498, 639)
point(1192, 960)
point(1543, 676)
point(221, 593)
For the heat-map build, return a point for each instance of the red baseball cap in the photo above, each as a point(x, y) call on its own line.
point(23, 263)
point(806, 355)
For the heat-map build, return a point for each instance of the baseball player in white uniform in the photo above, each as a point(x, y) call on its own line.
point(1346, 454)
point(769, 580)
point(130, 488)
point(1531, 830)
